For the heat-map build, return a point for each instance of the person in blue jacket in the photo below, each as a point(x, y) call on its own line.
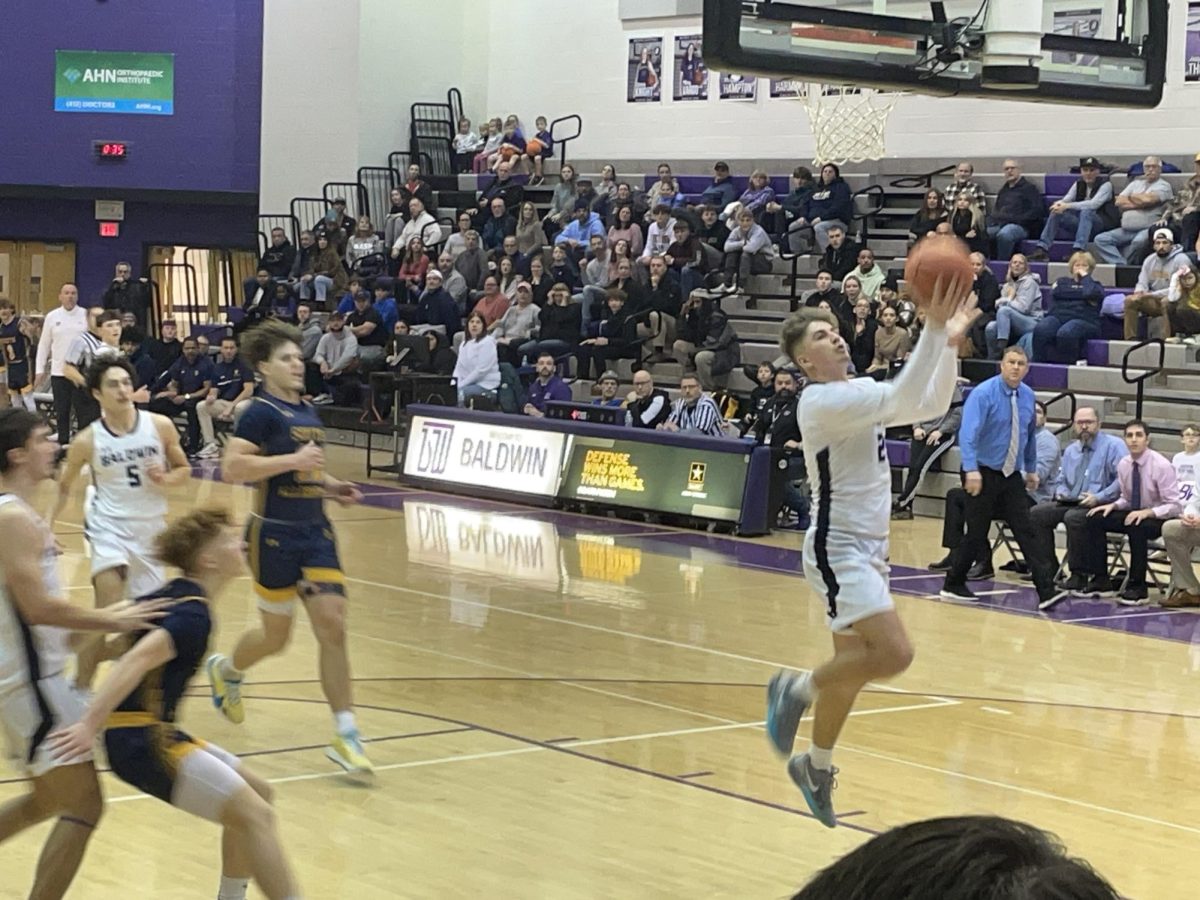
point(1074, 315)
point(829, 206)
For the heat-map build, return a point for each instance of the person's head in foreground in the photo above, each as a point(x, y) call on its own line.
point(959, 858)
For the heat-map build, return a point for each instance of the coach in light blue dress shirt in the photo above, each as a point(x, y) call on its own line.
point(983, 438)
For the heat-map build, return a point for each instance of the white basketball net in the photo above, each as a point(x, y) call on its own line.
point(848, 122)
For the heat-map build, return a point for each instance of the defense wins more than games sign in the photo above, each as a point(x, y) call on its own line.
point(96, 81)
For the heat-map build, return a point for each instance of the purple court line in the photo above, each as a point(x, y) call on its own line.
point(694, 775)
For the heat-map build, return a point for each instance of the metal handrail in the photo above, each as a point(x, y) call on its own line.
point(286, 221)
point(399, 160)
point(1140, 380)
point(454, 101)
point(1070, 397)
point(871, 190)
point(562, 141)
point(923, 181)
point(358, 192)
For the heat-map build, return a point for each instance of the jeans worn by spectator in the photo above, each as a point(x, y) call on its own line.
point(1006, 238)
point(1080, 223)
point(1121, 245)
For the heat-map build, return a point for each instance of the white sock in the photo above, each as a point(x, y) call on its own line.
point(821, 759)
point(803, 689)
point(233, 888)
point(228, 671)
point(344, 722)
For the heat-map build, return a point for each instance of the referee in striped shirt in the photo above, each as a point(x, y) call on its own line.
point(694, 412)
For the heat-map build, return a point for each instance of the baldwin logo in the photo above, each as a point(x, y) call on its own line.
point(696, 476)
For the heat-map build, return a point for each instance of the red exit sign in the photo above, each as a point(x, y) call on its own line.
point(110, 229)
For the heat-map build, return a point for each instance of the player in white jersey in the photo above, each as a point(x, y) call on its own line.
point(134, 456)
point(35, 697)
point(842, 422)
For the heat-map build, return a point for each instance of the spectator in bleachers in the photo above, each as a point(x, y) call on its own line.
point(608, 385)
point(625, 228)
point(559, 325)
point(478, 368)
point(694, 412)
point(540, 283)
point(853, 292)
point(497, 226)
point(892, 344)
point(826, 292)
point(346, 302)
point(133, 345)
point(664, 301)
point(493, 137)
point(713, 234)
point(531, 236)
point(596, 270)
point(1149, 496)
point(840, 254)
point(759, 193)
point(472, 263)
point(987, 291)
point(593, 298)
point(646, 405)
point(862, 327)
point(547, 385)
point(510, 279)
point(830, 206)
point(870, 276)
point(326, 273)
point(304, 255)
point(538, 148)
point(617, 337)
point(563, 268)
point(1017, 214)
point(1018, 308)
point(1086, 208)
point(384, 303)
point(396, 219)
point(233, 384)
point(517, 326)
point(784, 214)
point(278, 260)
point(763, 376)
point(512, 146)
point(1074, 315)
point(452, 280)
point(365, 323)
point(1181, 537)
point(503, 188)
point(930, 441)
point(748, 251)
point(721, 191)
point(466, 144)
point(931, 214)
point(1142, 203)
point(1183, 303)
point(181, 388)
point(1183, 215)
point(336, 219)
point(707, 343)
point(1149, 296)
point(620, 251)
point(562, 202)
point(365, 243)
point(492, 304)
point(686, 258)
point(507, 249)
point(606, 190)
point(164, 349)
point(579, 231)
point(967, 223)
point(337, 361)
point(964, 184)
point(666, 185)
point(457, 242)
point(410, 277)
point(310, 330)
point(437, 309)
point(260, 292)
point(416, 186)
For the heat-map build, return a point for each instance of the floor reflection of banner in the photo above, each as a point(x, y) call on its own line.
point(450, 537)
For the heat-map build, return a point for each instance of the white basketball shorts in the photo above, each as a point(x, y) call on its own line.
point(128, 543)
point(850, 574)
point(27, 724)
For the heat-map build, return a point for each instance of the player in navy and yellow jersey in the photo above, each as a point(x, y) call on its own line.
point(138, 703)
point(277, 446)
point(14, 356)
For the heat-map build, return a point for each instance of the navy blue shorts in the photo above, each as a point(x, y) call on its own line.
point(282, 554)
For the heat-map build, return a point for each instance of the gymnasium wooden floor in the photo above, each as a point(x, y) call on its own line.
point(568, 707)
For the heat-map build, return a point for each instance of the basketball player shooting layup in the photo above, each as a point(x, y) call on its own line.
point(136, 707)
point(846, 550)
point(134, 455)
point(277, 446)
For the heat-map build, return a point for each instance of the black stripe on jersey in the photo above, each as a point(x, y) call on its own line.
point(35, 676)
point(820, 546)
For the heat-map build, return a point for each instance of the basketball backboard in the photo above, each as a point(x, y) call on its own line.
point(1088, 52)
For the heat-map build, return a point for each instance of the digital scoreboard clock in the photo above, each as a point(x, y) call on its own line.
point(110, 149)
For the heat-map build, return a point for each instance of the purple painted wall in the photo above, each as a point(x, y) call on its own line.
point(211, 143)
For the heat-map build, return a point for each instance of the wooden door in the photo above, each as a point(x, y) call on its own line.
point(31, 273)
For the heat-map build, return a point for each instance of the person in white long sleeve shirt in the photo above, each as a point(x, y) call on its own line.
point(748, 251)
point(59, 331)
point(420, 224)
point(478, 368)
point(845, 551)
point(659, 235)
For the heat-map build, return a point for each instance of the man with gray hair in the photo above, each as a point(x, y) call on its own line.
point(1018, 213)
point(1142, 203)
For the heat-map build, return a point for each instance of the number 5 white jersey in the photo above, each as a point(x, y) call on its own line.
point(842, 427)
point(119, 464)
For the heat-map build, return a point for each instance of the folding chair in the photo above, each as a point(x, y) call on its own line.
point(1154, 568)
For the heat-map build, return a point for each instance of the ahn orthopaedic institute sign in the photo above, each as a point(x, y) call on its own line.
point(97, 81)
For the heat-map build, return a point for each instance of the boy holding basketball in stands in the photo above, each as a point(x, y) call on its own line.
point(846, 550)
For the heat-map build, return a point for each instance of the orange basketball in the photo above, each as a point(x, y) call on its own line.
point(938, 255)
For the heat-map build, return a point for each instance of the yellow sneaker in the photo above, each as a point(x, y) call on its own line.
point(226, 692)
point(347, 751)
